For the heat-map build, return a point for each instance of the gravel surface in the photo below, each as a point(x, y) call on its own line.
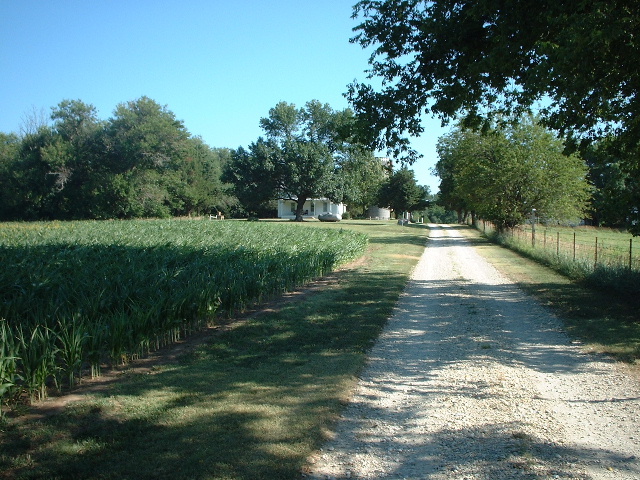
point(472, 379)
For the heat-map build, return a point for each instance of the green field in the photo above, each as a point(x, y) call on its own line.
point(94, 293)
point(252, 401)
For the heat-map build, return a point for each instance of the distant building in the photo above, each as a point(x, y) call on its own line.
point(312, 208)
point(379, 213)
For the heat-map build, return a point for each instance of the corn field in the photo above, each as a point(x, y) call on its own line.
point(75, 296)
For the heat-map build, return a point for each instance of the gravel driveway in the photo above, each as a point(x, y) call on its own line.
point(472, 379)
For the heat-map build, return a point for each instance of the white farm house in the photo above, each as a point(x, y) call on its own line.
point(312, 208)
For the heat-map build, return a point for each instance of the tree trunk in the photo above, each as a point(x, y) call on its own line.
point(300, 208)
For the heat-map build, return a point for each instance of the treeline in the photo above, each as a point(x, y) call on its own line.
point(315, 151)
point(518, 169)
point(141, 162)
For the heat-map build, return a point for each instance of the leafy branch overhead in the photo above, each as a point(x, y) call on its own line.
point(473, 61)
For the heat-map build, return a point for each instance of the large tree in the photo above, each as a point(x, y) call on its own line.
point(450, 158)
point(506, 174)
point(360, 175)
point(144, 141)
point(401, 193)
point(472, 59)
point(40, 174)
point(193, 180)
point(79, 135)
point(611, 197)
point(252, 174)
point(300, 157)
point(141, 162)
point(144, 134)
point(9, 185)
point(466, 57)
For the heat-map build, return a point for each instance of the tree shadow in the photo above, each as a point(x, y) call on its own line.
point(249, 403)
point(395, 435)
point(492, 451)
point(441, 325)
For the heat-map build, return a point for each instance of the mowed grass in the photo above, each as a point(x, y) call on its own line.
point(251, 402)
point(605, 320)
point(615, 248)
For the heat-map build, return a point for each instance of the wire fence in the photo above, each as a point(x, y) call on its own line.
point(599, 247)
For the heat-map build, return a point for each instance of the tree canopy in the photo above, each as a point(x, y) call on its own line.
point(401, 193)
point(308, 153)
point(474, 61)
point(506, 174)
point(141, 162)
point(470, 58)
point(613, 187)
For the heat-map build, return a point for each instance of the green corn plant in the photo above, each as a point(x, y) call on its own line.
point(72, 340)
point(146, 283)
point(119, 338)
point(8, 362)
point(141, 331)
point(96, 334)
point(37, 352)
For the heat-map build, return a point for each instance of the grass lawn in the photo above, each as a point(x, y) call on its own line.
point(252, 402)
point(615, 248)
point(606, 321)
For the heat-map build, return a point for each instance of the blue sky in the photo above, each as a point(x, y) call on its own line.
point(219, 66)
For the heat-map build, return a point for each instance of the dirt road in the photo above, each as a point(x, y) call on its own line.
point(472, 379)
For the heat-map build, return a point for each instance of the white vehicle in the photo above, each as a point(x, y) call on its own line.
point(329, 217)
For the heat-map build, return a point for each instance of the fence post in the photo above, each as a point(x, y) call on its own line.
point(574, 246)
point(558, 244)
point(630, 253)
point(533, 236)
point(596, 264)
point(533, 228)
